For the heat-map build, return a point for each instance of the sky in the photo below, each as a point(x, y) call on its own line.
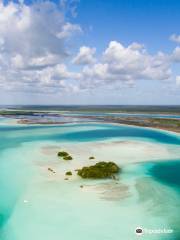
point(90, 52)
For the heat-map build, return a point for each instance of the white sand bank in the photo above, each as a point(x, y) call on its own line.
point(121, 152)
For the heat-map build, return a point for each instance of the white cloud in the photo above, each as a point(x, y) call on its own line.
point(70, 6)
point(24, 30)
point(85, 56)
point(175, 38)
point(178, 81)
point(17, 61)
point(35, 54)
point(176, 54)
point(127, 64)
point(68, 30)
point(52, 75)
point(33, 44)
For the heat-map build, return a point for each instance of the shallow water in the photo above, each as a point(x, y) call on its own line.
point(36, 205)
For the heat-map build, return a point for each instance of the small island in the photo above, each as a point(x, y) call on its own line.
point(64, 155)
point(99, 170)
point(69, 173)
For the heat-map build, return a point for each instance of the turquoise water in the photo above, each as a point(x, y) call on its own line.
point(81, 132)
point(58, 209)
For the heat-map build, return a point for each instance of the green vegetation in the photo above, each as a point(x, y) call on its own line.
point(64, 155)
point(51, 170)
point(168, 122)
point(91, 158)
point(161, 123)
point(99, 170)
point(68, 158)
point(29, 110)
point(69, 173)
point(16, 112)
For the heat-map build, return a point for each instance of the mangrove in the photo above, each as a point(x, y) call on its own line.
point(99, 170)
point(64, 155)
point(69, 173)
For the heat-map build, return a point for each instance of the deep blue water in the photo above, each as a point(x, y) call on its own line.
point(101, 134)
point(11, 136)
point(167, 172)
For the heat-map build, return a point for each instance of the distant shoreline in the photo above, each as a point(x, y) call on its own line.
point(134, 109)
point(168, 122)
point(175, 129)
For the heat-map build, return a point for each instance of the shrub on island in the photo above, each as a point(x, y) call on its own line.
point(51, 170)
point(99, 170)
point(69, 173)
point(64, 155)
point(68, 158)
point(91, 158)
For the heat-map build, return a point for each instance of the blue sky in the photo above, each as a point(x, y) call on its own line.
point(150, 22)
point(90, 52)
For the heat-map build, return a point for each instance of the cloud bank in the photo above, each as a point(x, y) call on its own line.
point(175, 38)
point(35, 54)
point(33, 45)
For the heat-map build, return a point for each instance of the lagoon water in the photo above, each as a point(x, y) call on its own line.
point(35, 204)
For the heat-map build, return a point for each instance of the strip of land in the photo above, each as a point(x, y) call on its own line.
point(160, 123)
point(169, 124)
